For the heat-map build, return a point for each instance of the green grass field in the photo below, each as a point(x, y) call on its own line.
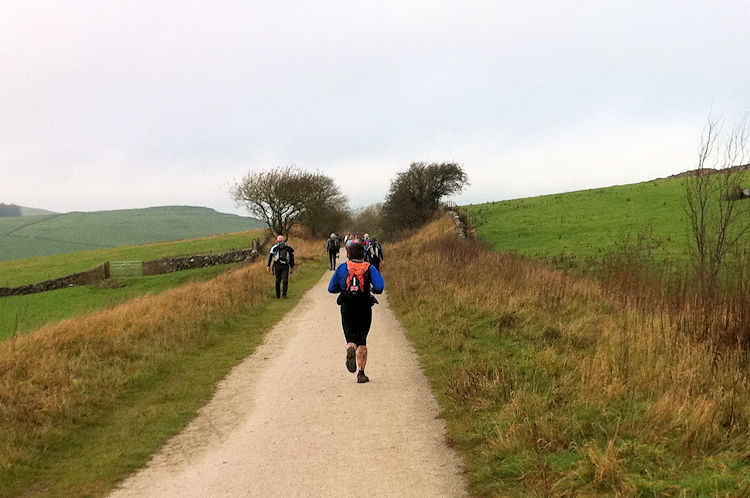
point(23, 314)
point(588, 223)
point(28, 271)
point(29, 236)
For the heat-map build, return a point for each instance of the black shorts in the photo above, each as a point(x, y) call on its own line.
point(356, 319)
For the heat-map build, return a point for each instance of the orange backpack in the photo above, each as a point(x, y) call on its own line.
point(358, 279)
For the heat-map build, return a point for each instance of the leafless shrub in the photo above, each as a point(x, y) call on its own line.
point(717, 220)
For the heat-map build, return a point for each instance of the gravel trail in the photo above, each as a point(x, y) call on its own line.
point(292, 421)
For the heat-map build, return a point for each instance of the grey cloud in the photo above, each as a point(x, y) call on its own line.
point(213, 89)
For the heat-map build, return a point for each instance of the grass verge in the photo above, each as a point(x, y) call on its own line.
point(550, 388)
point(85, 402)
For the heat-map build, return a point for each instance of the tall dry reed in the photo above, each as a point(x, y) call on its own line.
point(718, 315)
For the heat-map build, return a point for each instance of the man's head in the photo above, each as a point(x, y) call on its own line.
point(367, 235)
point(356, 251)
point(280, 238)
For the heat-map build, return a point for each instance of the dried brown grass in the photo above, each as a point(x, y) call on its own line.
point(608, 369)
point(71, 371)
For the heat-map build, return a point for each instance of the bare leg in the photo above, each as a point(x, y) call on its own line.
point(362, 357)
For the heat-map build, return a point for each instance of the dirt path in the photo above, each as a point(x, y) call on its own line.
point(292, 421)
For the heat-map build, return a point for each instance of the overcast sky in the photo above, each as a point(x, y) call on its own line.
point(108, 105)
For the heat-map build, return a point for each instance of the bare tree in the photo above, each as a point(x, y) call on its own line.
point(286, 195)
point(717, 220)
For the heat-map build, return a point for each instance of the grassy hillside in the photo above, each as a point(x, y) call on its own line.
point(552, 385)
point(29, 236)
point(27, 271)
point(588, 223)
point(12, 210)
point(28, 211)
point(22, 314)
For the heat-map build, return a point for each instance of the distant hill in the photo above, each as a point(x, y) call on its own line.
point(27, 211)
point(14, 210)
point(46, 234)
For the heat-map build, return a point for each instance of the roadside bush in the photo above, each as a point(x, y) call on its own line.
point(415, 194)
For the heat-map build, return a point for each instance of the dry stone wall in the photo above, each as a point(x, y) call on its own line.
point(169, 265)
point(93, 276)
point(157, 267)
point(460, 218)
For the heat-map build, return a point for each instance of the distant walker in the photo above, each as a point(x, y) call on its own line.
point(333, 246)
point(282, 257)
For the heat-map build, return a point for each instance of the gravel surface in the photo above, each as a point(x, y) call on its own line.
point(292, 421)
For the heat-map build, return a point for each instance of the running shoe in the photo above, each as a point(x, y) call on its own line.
point(351, 359)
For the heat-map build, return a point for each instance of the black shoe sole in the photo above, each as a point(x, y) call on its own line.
point(351, 360)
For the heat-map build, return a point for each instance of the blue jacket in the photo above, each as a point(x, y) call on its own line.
point(338, 280)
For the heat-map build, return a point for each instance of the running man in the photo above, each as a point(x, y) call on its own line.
point(355, 280)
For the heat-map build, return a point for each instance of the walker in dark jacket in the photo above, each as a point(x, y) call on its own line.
point(332, 246)
point(374, 253)
point(282, 256)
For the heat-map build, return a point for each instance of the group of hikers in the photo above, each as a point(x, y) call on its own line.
point(373, 249)
point(355, 281)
